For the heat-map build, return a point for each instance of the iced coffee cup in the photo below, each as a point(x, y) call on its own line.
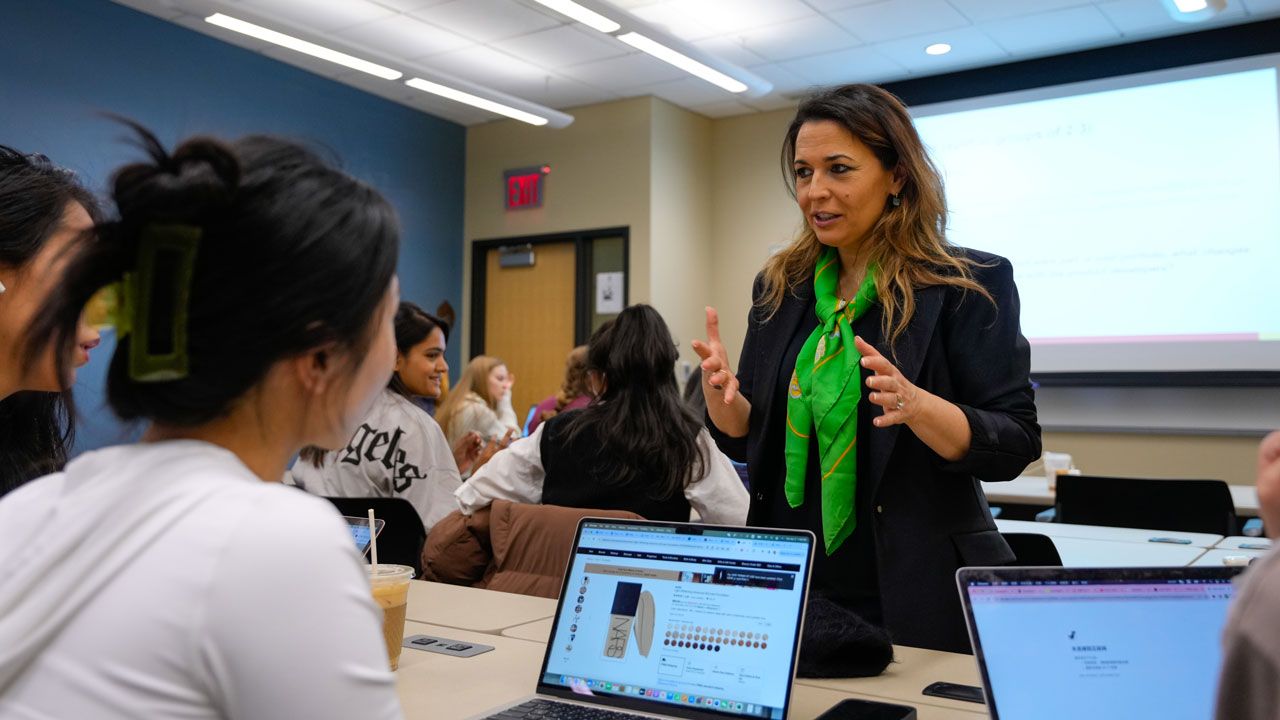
point(391, 592)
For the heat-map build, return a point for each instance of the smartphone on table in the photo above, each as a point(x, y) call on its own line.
point(855, 709)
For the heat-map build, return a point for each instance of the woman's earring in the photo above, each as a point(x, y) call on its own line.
point(895, 200)
point(2, 288)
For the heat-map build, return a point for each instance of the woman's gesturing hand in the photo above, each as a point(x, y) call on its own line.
point(718, 381)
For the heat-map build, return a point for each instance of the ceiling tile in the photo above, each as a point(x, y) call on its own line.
point(670, 17)
point(687, 92)
point(558, 92)
point(408, 5)
point(487, 20)
point(728, 108)
point(731, 16)
point(856, 65)
point(1143, 17)
point(809, 36)
point(833, 5)
point(730, 49)
point(484, 65)
point(969, 47)
point(631, 4)
point(1042, 34)
point(893, 20)
point(1262, 8)
point(404, 36)
point(565, 45)
point(323, 17)
point(626, 72)
point(984, 10)
point(770, 102)
point(784, 80)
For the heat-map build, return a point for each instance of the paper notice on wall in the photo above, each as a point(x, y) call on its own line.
point(609, 286)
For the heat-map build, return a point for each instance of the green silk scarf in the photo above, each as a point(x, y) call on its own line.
point(823, 398)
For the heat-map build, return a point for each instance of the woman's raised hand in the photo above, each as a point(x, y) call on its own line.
point(718, 381)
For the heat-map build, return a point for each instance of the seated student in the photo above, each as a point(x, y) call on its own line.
point(44, 212)
point(636, 448)
point(1249, 687)
point(573, 393)
point(175, 578)
point(480, 403)
point(398, 449)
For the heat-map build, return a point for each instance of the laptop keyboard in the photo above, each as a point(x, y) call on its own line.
point(552, 710)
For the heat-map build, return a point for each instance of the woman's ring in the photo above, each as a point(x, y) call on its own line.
point(900, 403)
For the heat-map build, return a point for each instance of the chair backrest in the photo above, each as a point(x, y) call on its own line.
point(1180, 505)
point(1033, 550)
point(400, 542)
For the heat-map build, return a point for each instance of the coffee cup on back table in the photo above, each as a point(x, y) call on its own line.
point(390, 585)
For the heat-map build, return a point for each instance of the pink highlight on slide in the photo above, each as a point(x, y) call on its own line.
point(1125, 339)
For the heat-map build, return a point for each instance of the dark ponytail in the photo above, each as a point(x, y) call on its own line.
point(647, 435)
point(36, 428)
point(292, 255)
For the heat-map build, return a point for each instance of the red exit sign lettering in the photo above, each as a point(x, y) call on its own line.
point(523, 187)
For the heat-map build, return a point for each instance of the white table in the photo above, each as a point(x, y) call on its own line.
point(1220, 557)
point(1244, 543)
point(1078, 552)
point(473, 609)
point(1034, 490)
point(1099, 532)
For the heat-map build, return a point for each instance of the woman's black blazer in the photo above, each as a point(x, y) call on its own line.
point(931, 516)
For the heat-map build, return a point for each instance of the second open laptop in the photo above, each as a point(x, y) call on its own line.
point(673, 620)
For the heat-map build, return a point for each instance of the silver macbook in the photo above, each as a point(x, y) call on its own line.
point(674, 620)
point(1097, 643)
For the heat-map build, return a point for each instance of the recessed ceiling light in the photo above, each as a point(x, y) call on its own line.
point(1190, 5)
point(1192, 11)
point(938, 49)
point(586, 16)
point(684, 62)
point(475, 101)
point(302, 46)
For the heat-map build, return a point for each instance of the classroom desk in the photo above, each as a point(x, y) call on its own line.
point(1244, 543)
point(1034, 490)
point(1099, 532)
point(440, 687)
point(1079, 552)
point(1218, 556)
point(473, 609)
point(537, 631)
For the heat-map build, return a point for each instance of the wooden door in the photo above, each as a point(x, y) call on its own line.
point(529, 316)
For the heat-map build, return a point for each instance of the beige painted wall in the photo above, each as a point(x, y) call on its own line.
point(705, 201)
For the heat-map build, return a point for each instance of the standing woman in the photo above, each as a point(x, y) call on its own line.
point(871, 295)
point(44, 213)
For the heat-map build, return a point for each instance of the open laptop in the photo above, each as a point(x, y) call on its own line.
point(360, 532)
point(1097, 643)
point(674, 620)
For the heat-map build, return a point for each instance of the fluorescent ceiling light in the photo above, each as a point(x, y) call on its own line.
point(938, 49)
point(1192, 11)
point(1187, 6)
point(684, 62)
point(475, 101)
point(303, 46)
point(587, 17)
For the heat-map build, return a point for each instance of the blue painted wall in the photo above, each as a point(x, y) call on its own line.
point(64, 61)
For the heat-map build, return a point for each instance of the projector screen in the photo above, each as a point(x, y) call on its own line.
point(1141, 214)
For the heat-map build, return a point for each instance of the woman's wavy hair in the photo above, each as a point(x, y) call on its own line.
point(475, 379)
point(36, 428)
point(908, 244)
point(648, 437)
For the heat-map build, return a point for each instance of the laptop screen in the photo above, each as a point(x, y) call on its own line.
point(698, 618)
point(1119, 643)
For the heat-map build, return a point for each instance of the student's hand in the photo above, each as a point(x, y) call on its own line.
point(1269, 483)
point(491, 448)
point(467, 450)
point(718, 382)
point(890, 390)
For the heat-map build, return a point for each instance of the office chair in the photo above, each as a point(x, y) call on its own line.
point(1181, 505)
point(1033, 550)
point(401, 539)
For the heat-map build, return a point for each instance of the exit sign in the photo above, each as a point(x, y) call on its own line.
point(523, 187)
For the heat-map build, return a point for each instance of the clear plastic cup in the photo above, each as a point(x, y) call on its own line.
point(390, 585)
point(1055, 464)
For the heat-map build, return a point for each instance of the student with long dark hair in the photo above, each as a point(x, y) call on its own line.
point(398, 450)
point(636, 448)
point(44, 213)
point(176, 577)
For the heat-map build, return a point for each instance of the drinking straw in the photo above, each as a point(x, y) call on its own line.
point(373, 539)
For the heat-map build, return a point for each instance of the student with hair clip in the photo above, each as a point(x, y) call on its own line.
point(176, 577)
point(636, 448)
point(480, 403)
point(573, 394)
point(398, 450)
point(44, 213)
